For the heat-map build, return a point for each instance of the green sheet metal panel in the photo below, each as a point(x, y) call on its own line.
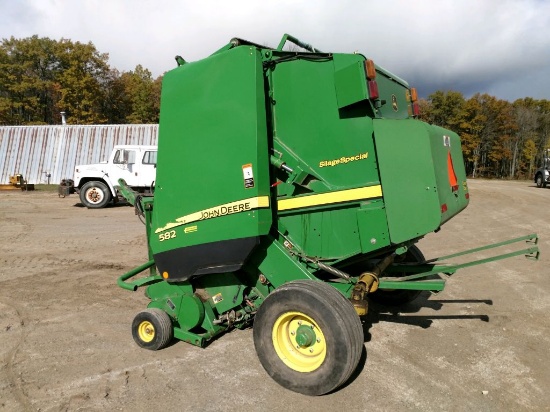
point(373, 226)
point(212, 188)
point(333, 145)
point(445, 143)
point(331, 233)
point(350, 84)
point(408, 178)
point(394, 95)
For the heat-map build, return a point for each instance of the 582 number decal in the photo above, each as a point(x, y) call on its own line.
point(167, 235)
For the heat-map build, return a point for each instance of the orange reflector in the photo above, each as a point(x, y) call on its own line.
point(165, 275)
point(443, 207)
point(414, 95)
point(370, 69)
point(452, 175)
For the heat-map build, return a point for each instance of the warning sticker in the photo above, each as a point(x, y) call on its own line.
point(248, 176)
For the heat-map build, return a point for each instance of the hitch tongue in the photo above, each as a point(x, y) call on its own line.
point(368, 282)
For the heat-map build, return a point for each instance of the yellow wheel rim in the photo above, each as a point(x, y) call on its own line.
point(146, 331)
point(299, 342)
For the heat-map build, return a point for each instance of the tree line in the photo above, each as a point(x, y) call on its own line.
point(499, 138)
point(41, 77)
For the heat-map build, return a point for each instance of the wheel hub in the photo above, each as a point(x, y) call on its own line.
point(94, 196)
point(305, 336)
point(146, 331)
point(299, 342)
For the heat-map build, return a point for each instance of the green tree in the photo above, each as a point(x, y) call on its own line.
point(83, 75)
point(533, 118)
point(529, 154)
point(28, 71)
point(115, 104)
point(141, 95)
point(471, 129)
point(446, 109)
point(488, 127)
point(504, 151)
point(40, 77)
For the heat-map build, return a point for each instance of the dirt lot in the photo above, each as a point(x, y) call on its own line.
point(481, 345)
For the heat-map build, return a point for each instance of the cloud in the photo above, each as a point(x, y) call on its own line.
point(497, 47)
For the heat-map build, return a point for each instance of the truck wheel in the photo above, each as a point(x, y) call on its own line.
point(399, 297)
point(540, 181)
point(152, 329)
point(308, 337)
point(95, 195)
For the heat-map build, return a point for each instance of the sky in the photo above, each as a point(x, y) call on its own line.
point(499, 47)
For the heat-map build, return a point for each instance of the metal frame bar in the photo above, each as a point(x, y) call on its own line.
point(430, 267)
point(135, 284)
point(533, 238)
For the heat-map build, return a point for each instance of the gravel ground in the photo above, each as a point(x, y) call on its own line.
point(483, 344)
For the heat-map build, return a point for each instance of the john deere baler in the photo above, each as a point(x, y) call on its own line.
point(291, 188)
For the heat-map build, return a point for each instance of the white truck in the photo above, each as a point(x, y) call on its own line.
point(97, 183)
point(542, 176)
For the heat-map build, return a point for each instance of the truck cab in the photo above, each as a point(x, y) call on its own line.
point(97, 183)
point(542, 176)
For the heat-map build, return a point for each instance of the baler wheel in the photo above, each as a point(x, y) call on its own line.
point(152, 329)
point(399, 297)
point(308, 337)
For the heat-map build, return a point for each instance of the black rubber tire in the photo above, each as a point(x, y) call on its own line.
point(337, 320)
point(538, 180)
point(400, 296)
point(95, 195)
point(162, 330)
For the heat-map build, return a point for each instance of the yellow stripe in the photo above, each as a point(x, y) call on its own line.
point(329, 198)
point(251, 203)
